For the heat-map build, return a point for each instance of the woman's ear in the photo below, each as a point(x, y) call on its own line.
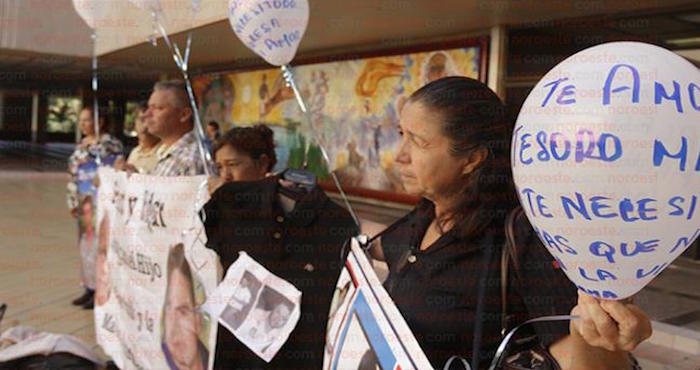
point(263, 163)
point(473, 160)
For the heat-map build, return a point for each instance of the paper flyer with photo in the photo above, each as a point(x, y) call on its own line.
point(365, 329)
point(259, 308)
point(153, 272)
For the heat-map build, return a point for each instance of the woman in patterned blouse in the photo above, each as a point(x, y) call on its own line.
point(89, 154)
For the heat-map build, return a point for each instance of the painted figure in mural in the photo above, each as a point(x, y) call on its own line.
point(263, 94)
point(438, 65)
point(213, 135)
point(218, 99)
point(279, 93)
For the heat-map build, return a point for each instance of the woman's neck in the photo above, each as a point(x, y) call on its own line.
point(445, 206)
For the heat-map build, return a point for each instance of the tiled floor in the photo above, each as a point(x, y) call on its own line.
point(39, 270)
point(39, 256)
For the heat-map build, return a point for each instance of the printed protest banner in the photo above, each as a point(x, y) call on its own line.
point(153, 272)
point(365, 329)
point(259, 308)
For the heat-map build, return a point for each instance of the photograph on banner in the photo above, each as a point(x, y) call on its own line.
point(106, 306)
point(365, 329)
point(259, 308)
point(156, 274)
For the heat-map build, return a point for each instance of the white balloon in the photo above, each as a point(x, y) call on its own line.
point(271, 28)
point(149, 5)
point(92, 11)
point(606, 161)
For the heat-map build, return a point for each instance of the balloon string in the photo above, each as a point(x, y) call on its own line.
point(289, 78)
point(182, 65)
point(95, 105)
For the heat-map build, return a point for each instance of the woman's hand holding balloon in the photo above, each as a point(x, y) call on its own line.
point(612, 325)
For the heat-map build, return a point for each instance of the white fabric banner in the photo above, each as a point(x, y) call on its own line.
point(365, 329)
point(153, 272)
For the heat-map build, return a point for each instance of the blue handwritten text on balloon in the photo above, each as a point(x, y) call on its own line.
point(554, 241)
point(261, 31)
point(596, 293)
point(662, 91)
point(604, 207)
point(600, 274)
point(539, 201)
point(605, 147)
point(684, 241)
point(601, 248)
point(655, 270)
point(565, 96)
point(683, 207)
point(661, 151)
point(286, 41)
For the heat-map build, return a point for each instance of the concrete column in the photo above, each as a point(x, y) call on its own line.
point(2, 108)
point(35, 115)
point(497, 60)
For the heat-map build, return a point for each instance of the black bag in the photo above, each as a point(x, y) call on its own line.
point(529, 354)
point(54, 361)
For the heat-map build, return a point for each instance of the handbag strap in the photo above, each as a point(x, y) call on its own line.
point(508, 252)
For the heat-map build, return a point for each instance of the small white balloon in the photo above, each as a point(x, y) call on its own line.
point(91, 11)
point(149, 5)
point(271, 28)
point(606, 162)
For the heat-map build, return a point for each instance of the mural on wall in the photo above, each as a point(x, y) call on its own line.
point(353, 107)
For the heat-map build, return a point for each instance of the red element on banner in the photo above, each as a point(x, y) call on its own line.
point(352, 273)
point(555, 264)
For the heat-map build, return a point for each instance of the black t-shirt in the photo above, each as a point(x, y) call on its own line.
point(439, 290)
point(302, 247)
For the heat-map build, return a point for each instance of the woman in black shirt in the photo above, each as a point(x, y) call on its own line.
point(444, 257)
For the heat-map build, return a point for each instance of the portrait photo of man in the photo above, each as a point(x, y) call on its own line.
point(266, 321)
point(102, 283)
point(182, 322)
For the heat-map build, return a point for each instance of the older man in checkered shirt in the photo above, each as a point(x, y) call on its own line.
point(169, 117)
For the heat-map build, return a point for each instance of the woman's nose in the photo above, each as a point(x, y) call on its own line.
point(402, 154)
point(226, 174)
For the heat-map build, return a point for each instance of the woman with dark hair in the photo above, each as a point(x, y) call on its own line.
point(444, 256)
point(243, 154)
point(82, 166)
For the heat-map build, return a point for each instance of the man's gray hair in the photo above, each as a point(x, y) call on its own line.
point(178, 88)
